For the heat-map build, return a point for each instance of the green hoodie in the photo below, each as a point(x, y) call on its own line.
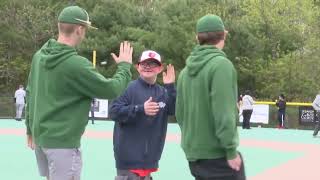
point(206, 108)
point(60, 89)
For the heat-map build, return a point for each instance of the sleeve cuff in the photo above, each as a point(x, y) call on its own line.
point(169, 86)
point(28, 131)
point(27, 126)
point(231, 154)
point(124, 65)
point(139, 108)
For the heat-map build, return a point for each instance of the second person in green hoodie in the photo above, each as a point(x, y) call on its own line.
point(206, 109)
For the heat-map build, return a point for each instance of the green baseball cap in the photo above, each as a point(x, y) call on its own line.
point(75, 15)
point(210, 23)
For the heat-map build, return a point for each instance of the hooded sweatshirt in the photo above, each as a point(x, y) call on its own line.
point(206, 108)
point(61, 86)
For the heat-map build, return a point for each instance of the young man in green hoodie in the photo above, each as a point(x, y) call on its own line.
point(60, 89)
point(206, 109)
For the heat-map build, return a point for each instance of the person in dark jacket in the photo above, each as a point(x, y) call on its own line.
point(281, 104)
point(140, 116)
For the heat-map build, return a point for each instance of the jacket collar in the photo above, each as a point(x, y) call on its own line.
point(144, 83)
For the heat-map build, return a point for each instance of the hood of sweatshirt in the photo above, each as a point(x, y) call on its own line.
point(53, 53)
point(200, 56)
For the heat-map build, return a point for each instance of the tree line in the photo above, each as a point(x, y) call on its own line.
point(274, 44)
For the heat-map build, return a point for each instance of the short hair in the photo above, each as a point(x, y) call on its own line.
point(66, 28)
point(210, 38)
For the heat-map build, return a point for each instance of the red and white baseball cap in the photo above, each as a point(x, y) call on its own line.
point(148, 55)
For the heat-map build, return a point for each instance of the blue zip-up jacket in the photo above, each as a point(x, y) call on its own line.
point(138, 139)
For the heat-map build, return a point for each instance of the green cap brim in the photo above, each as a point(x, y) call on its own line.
point(86, 23)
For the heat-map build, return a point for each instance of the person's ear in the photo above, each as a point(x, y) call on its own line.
point(161, 68)
point(80, 29)
point(136, 66)
point(225, 34)
point(77, 30)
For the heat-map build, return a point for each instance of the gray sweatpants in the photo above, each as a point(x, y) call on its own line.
point(19, 110)
point(59, 164)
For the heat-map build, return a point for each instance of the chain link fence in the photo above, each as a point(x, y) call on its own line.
point(7, 111)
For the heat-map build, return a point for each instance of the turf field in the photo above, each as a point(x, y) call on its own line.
point(268, 154)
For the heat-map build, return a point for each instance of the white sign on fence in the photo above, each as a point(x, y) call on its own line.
point(260, 114)
point(100, 108)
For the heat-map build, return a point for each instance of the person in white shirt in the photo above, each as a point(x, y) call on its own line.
point(19, 97)
point(247, 108)
point(316, 107)
point(239, 104)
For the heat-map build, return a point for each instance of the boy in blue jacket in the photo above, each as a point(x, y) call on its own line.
point(140, 116)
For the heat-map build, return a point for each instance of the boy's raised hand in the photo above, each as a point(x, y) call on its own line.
point(125, 53)
point(169, 76)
